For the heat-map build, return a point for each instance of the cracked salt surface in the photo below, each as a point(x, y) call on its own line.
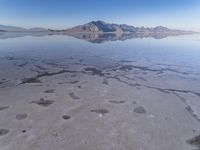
point(148, 90)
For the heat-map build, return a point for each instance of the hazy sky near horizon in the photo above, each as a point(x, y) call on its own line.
point(184, 14)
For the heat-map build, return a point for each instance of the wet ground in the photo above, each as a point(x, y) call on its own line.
point(57, 92)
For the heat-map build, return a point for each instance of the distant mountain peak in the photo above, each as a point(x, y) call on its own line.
point(161, 28)
point(5, 28)
point(98, 22)
point(102, 26)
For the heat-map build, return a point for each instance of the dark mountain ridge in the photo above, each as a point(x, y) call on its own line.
point(98, 27)
point(4, 28)
point(101, 26)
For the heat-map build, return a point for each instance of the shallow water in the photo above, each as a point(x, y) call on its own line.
point(180, 52)
point(25, 55)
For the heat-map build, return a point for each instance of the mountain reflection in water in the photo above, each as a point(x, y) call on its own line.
point(90, 37)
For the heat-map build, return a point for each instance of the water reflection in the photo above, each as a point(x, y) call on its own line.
point(101, 38)
point(90, 37)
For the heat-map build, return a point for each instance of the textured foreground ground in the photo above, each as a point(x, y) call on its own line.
point(72, 104)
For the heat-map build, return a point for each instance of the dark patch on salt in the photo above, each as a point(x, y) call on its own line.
point(74, 82)
point(195, 141)
point(23, 131)
point(50, 91)
point(3, 132)
point(117, 102)
point(79, 86)
point(126, 67)
point(40, 67)
point(30, 80)
point(4, 107)
point(73, 75)
point(127, 61)
point(66, 117)
point(43, 102)
point(134, 102)
point(100, 111)
point(73, 96)
point(95, 71)
point(105, 81)
point(21, 116)
point(46, 74)
point(140, 110)
point(23, 64)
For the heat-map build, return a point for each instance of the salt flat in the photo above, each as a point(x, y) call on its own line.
point(134, 95)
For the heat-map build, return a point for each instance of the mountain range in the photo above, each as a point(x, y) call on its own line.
point(4, 28)
point(95, 32)
point(103, 27)
point(98, 27)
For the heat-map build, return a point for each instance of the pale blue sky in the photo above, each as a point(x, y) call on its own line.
point(183, 14)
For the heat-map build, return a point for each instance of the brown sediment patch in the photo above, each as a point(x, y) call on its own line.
point(66, 117)
point(195, 141)
point(117, 102)
point(43, 102)
point(50, 91)
point(3, 132)
point(95, 71)
point(21, 116)
point(140, 110)
point(4, 107)
point(100, 111)
point(73, 96)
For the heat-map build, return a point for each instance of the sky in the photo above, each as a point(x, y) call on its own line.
point(59, 14)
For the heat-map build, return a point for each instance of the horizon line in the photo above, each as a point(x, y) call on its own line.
point(68, 27)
